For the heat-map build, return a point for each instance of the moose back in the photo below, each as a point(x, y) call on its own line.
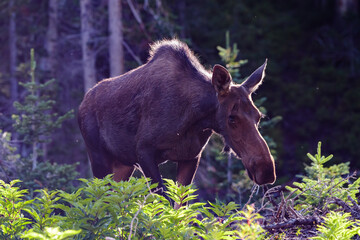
point(167, 109)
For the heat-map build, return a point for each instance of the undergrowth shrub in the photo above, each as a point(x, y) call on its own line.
point(121, 210)
point(102, 208)
point(337, 225)
point(321, 183)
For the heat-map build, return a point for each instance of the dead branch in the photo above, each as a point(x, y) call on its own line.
point(355, 205)
point(292, 211)
point(255, 188)
point(293, 223)
point(138, 19)
point(268, 195)
point(352, 210)
point(130, 51)
point(281, 206)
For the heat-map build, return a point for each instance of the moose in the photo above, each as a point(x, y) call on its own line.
point(167, 109)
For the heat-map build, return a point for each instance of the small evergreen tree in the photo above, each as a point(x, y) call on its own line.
point(35, 121)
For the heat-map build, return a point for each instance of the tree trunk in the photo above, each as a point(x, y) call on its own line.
point(52, 36)
point(34, 156)
point(13, 52)
point(229, 173)
point(345, 6)
point(88, 54)
point(116, 50)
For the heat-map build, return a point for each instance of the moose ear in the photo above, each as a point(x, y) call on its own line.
point(221, 80)
point(255, 79)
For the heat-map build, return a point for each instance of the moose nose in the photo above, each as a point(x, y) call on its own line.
point(266, 175)
point(265, 178)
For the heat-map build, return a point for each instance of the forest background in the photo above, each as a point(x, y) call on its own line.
point(312, 79)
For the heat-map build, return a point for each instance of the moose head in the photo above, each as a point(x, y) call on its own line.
point(238, 119)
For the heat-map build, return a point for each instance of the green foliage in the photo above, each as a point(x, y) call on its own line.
point(47, 175)
point(8, 156)
point(337, 225)
point(7, 148)
point(252, 229)
point(322, 182)
point(121, 210)
point(42, 213)
point(102, 208)
point(229, 56)
point(12, 202)
point(51, 234)
point(34, 121)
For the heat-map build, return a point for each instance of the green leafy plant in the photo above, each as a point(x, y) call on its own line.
point(252, 229)
point(51, 234)
point(122, 210)
point(229, 55)
point(42, 211)
point(8, 156)
point(321, 182)
point(12, 202)
point(47, 175)
point(337, 225)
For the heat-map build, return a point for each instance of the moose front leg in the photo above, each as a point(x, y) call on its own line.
point(185, 173)
point(149, 166)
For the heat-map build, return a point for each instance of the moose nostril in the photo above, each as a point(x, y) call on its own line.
point(266, 177)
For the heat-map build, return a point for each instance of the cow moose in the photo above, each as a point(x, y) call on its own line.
point(167, 109)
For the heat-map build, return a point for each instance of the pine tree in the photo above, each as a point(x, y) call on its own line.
point(35, 120)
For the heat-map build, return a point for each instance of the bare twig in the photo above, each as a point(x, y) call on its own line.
point(354, 212)
point(138, 19)
point(267, 194)
point(255, 188)
point(141, 205)
point(293, 223)
point(281, 206)
point(135, 216)
point(355, 205)
point(130, 51)
point(292, 211)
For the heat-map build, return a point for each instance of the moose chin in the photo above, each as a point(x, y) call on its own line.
point(167, 109)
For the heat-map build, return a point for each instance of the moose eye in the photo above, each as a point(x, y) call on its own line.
point(232, 119)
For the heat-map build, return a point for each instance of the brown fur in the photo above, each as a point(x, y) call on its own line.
point(167, 109)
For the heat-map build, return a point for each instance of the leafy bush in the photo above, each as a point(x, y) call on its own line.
point(51, 234)
point(337, 226)
point(12, 204)
point(8, 156)
point(47, 175)
point(121, 210)
point(323, 205)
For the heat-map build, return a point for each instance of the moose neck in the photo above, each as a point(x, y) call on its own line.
point(210, 104)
